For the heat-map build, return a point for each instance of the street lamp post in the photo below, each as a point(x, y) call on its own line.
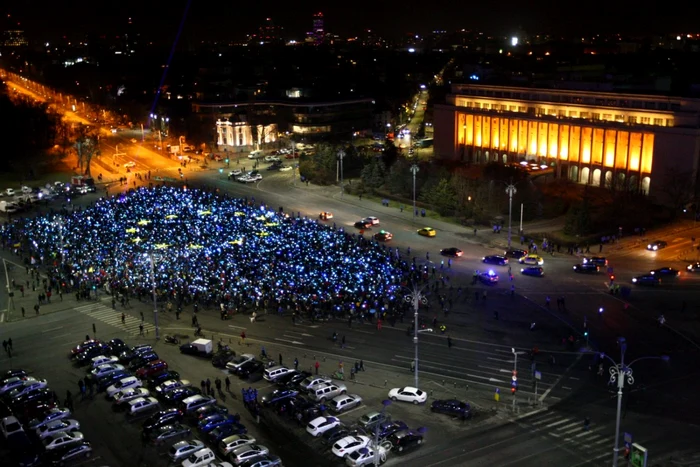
point(619, 372)
point(341, 155)
point(416, 297)
point(414, 171)
point(385, 403)
point(510, 189)
point(515, 372)
point(152, 260)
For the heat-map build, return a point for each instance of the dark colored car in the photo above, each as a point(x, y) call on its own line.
point(161, 418)
point(278, 395)
point(206, 411)
point(590, 268)
point(80, 348)
point(363, 224)
point(85, 357)
point(244, 371)
point(657, 245)
point(117, 346)
point(404, 440)
point(307, 412)
point(451, 252)
point(35, 396)
point(136, 351)
point(14, 373)
point(498, 260)
point(106, 381)
point(68, 454)
point(666, 272)
point(156, 379)
point(178, 394)
point(151, 368)
point(222, 357)
point(488, 277)
point(383, 236)
point(166, 434)
point(292, 379)
point(536, 271)
point(215, 421)
point(646, 279)
point(142, 360)
point(453, 407)
point(693, 267)
point(190, 349)
point(224, 431)
point(516, 253)
point(599, 260)
point(388, 428)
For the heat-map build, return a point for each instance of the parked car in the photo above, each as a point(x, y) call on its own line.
point(345, 402)
point(142, 405)
point(60, 439)
point(404, 440)
point(57, 426)
point(350, 444)
point(247, 452)
point(228, 445)
point(162, 417)
point(183, 449)
point(48, 416)
point(451, 407)
point(69, 453)
point(238, 361)
point(408, 394)
point(123, 384)
point(318, 426)
point(166, 433)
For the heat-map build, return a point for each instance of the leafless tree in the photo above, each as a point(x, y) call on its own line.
point(678, 186)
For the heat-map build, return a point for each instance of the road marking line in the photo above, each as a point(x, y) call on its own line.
point(237, 327)
point(587, 432)
point(52, 329)
point(546, 393)
point(566, 387)
point(558, 423)
point(547, 418)
point(361, 406)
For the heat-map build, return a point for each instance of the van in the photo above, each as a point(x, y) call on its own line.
point(327, 391)
point(255, 154)
point(275, 372)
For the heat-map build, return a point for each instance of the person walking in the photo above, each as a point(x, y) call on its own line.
point(141, 329)
point(208, 386)
point(81, 386)
point(9, 343)
point(280, 359)
point(242, 337)
point(123, 318)
point(90, 386)
point(68, 402)
point(317, 365)
point(227, 382)
point(4, 345)
point(342, 344)
point(217, 383)
point(296, 363)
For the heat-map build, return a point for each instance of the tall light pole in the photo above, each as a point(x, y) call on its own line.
point(341, 155)
point(416, 298)
point(510, 189)
point(385, 403)
point(515, 372)
point(414, 171)
point(619, 372)
point(152, 260)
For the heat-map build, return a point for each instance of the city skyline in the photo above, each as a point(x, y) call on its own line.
point(391, 19)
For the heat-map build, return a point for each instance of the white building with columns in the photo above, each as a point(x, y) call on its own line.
point(240, 135)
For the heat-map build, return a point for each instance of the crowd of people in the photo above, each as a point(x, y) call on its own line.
point(200, 247)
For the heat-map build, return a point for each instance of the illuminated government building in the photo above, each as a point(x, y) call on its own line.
point(594, 138)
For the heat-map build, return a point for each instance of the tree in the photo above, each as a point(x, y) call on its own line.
point(86, 147)
point(678, 187)
point(261, 121)
point(400, 179)
point(373, 173)
point(442, 197)
point(578, 219)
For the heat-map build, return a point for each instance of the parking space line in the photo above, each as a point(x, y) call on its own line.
point(52, 329)
point(361, 406)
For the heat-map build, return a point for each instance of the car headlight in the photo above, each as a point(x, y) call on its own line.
point(634, 279)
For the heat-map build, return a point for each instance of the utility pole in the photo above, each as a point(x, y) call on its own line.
point(414, 171)
point(510, 189)
point(155, 298)
point(416, 298)
point(341, 155)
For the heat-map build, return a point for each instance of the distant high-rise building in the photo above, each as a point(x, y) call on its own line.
point(317, 31)
point(131, 38)
point(268, 33)
point(14, 38)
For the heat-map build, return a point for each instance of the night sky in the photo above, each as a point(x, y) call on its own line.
point(391, 18)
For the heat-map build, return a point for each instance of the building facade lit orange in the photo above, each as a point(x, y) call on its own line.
point(600, 139)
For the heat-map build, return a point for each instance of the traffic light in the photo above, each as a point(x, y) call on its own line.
point(227, 160)
point(585, 333)
point(221, 171)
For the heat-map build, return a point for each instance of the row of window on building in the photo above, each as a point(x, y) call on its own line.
point(562, 113)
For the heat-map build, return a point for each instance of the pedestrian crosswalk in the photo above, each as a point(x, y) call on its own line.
point(595, 443)
point(113, 317)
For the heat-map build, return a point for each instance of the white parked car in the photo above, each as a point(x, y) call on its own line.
point(183, 449)
point(285, 168)
point(272, 159)
point(122, 384)
point(103, 360)
point(312, 381)
point(107, 369)
point(61, 439)
point(171, 384)
point(142, 404)
point(350, 444)
point(130, 394)
point(365, 457)
point(320, 425)
point(26, 387)
point(57, 426)
point(26, 189)
point(408, 394)
point(16, 381)
point(10, 192)
point(10, 426)
point(235, 173)
point(229, 444)
point(249, 451)
point(239, 360)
